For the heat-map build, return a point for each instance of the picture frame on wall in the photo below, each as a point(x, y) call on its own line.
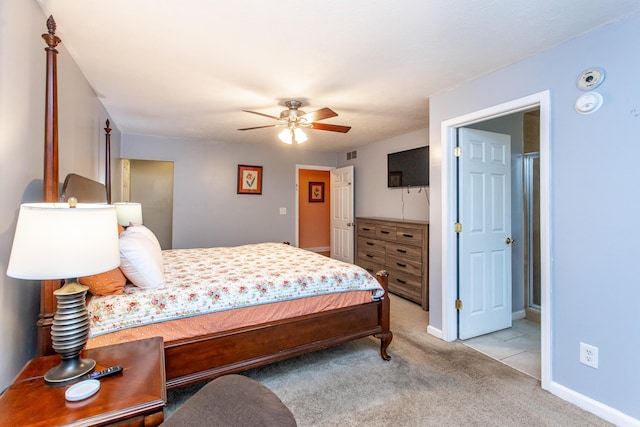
point(249, 179)
point(316, 192)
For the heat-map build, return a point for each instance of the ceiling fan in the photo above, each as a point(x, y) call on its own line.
point(294, 119)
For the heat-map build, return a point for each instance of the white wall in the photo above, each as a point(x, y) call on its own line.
point(594, 199)
point(22, 100)
point(207, 211)
point(373, 197)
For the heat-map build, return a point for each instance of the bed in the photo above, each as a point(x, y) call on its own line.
point(226, 348)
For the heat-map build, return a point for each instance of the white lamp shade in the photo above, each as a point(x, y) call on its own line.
point(54, 241)
point(128, 213)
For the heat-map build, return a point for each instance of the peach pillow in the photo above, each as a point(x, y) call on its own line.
point(108, 283)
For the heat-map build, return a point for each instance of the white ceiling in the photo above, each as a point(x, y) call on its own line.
point(187, 69)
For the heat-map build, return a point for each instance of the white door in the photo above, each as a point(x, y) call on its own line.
point(342, 221)
point(484, 209)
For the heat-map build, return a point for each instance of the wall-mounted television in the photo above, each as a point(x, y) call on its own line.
point(409, 168)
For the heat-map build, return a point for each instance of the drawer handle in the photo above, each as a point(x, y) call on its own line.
point(369, 243)
point(366, 229)
point(399, 264)
point(384, 232)
point(370, 256)
point(408, 235)
point(402, 251)
point(401, 281)
point(370, 270)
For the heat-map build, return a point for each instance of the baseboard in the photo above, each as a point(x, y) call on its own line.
point(598, 408)
point(321, 249)
point(434, 331)
point(518, 315)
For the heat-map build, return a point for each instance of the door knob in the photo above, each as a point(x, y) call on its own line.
point(510, 241)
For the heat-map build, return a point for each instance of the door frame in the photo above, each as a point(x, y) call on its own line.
point(539, 100)
point(297, 191)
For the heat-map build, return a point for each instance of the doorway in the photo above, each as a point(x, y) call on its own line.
point(338, 198)
point(511, 304)
point(313, 211)
point(449, 129)
point(304, 217)
point(150, 183)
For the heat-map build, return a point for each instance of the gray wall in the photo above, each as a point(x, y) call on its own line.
point(207, 211)
point(81, 138)
point(594, 198)
point(373, 197)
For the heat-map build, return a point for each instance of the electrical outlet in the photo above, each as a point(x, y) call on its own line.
point(589, 355)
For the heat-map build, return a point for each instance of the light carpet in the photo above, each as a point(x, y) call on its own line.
point(427, 382)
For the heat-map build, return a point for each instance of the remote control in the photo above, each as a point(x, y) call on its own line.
point(101, 374)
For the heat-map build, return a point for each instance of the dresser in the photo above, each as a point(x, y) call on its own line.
point(401, 248)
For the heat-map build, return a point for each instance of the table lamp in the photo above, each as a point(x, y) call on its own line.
point(128, 213)
point(66, 241)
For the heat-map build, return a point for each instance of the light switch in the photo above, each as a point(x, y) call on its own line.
point(283, 211)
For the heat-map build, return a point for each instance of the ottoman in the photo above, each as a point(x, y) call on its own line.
point(232, 400)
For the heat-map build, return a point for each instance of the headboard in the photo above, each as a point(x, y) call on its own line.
point(84, 189)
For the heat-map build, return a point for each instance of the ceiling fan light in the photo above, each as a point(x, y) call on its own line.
point(300, 136)
point(286, 136)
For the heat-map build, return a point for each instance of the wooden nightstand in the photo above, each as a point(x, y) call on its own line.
point(136, 397)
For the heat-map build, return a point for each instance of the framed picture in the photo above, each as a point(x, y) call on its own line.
point(316, 192)
point(249, 179)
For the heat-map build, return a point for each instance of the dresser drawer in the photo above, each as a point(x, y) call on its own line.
point(405, 265)
point(371, 245)
point(370, 266)
point(404, 284)
point(410, 236)
point(371, 256)
point(386, 232)
point(404, 251)
point(366, 229)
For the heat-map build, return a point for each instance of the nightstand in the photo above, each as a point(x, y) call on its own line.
point(136, 397)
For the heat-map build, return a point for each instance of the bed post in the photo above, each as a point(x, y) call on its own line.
point(50, 180)
point(107, 171)
point(386, 335)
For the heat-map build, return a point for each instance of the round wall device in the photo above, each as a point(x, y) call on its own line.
point(590, 78)
point(588, 103)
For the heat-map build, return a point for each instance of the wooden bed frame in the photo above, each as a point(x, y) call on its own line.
point(205, 357)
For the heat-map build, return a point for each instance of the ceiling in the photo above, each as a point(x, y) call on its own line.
point(187, 69)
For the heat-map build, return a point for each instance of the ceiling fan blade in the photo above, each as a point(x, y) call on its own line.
point(321, 114)
point(262, 114)
point(332, 128)
point(259, 127)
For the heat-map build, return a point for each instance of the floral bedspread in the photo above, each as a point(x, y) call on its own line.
point(206, 280)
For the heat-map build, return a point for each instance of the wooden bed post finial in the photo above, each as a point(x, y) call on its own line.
point(51, 38)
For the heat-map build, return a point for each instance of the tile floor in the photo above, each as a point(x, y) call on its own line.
point(518, 346)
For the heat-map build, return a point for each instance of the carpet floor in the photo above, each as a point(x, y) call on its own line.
point(427, 382)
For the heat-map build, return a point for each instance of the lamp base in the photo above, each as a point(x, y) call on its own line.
point(69, 334)
point(68, 370)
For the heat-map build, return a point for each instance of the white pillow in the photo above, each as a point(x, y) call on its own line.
point(141, 257)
